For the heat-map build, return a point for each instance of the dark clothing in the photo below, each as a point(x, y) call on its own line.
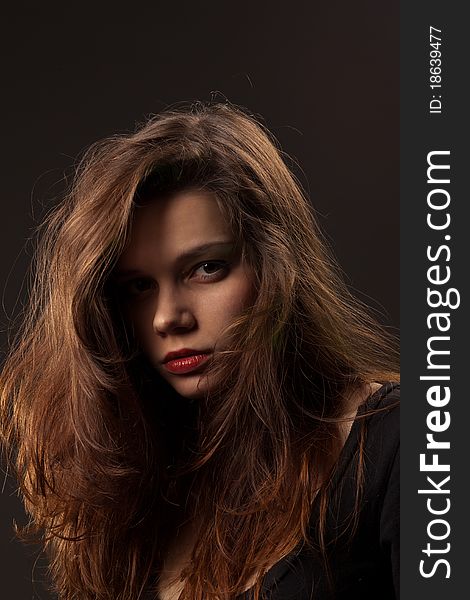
point(365, 564)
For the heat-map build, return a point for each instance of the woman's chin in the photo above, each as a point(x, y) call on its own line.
point(193, 387)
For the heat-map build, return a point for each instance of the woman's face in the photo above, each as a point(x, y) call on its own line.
point(182, 280)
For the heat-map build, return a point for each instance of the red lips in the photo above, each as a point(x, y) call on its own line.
point(183, 352)
point(184, 360)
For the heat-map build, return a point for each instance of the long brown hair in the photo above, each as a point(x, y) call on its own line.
point(107, 465)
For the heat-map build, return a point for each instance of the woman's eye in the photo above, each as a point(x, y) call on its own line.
point(135, 287)
point(210, 270)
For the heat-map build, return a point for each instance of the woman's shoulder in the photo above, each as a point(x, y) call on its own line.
point(374, 441)
point(381, 413)
point(376, 445)
point(387, 395)
point(371, 464)
point(362, 537)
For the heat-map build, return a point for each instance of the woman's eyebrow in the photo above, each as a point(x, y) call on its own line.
point(203, 248)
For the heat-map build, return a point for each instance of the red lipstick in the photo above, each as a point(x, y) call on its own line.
point(185, 360)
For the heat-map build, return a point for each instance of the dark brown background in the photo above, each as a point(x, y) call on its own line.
point(323, 77)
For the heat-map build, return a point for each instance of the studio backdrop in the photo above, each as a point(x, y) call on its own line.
point(323, 77)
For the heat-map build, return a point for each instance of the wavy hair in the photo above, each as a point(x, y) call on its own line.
point(108, 459)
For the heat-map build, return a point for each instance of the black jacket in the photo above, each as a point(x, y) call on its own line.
point(364, 565)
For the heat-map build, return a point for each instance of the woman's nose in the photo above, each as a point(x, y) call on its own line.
point(172, 315)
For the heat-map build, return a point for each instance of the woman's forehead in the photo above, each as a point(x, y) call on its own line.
point(176, 225)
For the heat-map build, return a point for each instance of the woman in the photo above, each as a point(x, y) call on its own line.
point(196, 406)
